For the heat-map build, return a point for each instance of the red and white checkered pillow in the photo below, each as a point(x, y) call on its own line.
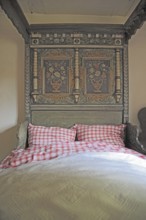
point(41, 136)
point(110, 134)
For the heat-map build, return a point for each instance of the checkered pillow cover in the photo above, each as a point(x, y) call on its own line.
point(110, 134)
point(41, 135)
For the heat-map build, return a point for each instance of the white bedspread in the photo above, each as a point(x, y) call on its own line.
point(102, 186)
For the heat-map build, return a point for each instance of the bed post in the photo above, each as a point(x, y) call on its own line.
point(125, 85)
point(27, 82)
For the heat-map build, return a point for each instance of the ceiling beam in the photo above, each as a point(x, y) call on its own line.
point(136, 19)
point(15, 14)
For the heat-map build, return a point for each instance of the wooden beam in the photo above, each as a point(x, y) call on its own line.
point(15, 14)
point(77, 27)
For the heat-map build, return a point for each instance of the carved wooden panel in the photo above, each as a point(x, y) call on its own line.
point(67, 118)
point(76, 75)
point(97, 68)
point(52, 76)
point(78, 70)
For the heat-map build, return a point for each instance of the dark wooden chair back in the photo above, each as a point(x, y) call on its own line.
point(142, 121)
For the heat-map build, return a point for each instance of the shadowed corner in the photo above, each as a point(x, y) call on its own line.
point(8, 140)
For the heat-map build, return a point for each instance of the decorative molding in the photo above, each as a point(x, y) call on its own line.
point(136, 19)
point(86, 35)
point(15, 14)
point(112, 108)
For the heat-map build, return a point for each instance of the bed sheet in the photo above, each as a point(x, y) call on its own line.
point(61, 149)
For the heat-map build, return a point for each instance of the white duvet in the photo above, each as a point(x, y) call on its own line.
point(102, 186)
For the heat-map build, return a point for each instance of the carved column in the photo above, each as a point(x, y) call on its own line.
point(118, 76)
point(35, 75)
point(77, 78)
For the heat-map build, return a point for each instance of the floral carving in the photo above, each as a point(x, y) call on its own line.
point(56, 76)
point(97, 76)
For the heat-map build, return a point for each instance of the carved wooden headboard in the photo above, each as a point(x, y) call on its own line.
point(77, 75)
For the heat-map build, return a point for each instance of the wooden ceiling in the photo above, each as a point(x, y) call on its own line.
point(77, 11)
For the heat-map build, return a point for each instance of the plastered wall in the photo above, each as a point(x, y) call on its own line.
point(11, 84)
point(137, 73)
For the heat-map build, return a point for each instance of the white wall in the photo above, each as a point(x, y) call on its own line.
point(11, 84)
point(137, 73)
